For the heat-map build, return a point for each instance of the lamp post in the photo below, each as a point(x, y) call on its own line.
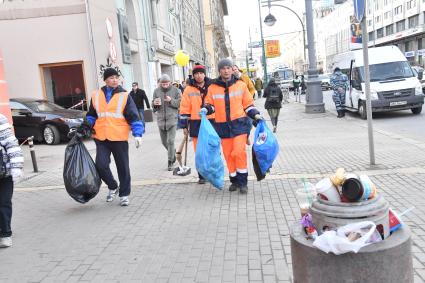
point(314, 97)
point(262, 46)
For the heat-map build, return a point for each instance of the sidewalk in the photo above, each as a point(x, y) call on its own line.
point(177, 231)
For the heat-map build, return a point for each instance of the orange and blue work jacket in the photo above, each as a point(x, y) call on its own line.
point(233, 106)
point(192, 101)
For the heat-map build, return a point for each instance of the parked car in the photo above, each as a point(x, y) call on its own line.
point(44, 120)
point(325, 81)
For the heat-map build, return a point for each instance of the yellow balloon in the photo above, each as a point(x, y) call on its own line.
point(182, 58)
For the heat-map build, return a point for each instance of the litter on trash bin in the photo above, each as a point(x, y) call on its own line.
point(327, 191)
point(349, 238)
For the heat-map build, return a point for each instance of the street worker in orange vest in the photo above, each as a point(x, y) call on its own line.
point(112, 114)
point(191, 103)
point(229, 98)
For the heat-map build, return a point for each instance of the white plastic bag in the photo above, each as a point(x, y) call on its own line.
point(338, 242)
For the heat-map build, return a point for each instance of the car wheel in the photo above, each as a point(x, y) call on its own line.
point(51, 135)
point(417, 110)
point(362, 109)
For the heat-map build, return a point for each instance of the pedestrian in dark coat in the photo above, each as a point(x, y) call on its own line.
point(274, 97)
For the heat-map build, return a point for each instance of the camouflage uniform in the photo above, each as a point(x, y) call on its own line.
point(339, 84)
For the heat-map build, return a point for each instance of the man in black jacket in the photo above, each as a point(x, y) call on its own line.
point(139, 97)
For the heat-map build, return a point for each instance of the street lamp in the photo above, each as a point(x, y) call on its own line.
point(314, 97)
point(270, 20)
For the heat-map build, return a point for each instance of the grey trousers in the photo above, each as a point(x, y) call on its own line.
point(167, 139)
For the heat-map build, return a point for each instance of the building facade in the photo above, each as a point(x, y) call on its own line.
point(215, 34)
point(64, 46)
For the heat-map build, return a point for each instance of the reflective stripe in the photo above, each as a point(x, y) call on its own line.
point(184, 117)
point(249, 109)
point(97, 101)
point(236, 93)
point(194, 94)
point(120, 102)
point(218, 96)
point(241, 170)
point(232, 174)
point(109, 114)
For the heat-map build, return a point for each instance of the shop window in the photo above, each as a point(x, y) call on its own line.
point(64, 84)
point(380, 33)
point(389, 30)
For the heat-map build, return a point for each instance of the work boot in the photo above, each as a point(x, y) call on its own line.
point(111, 195)
point(243, 189)
point(274, 129)
point(5, 242)
point(342, 113)
point(201, 179)
point(233, 187)
point(339, 114)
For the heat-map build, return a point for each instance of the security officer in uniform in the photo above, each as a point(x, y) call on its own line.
point(229, 98)
point(112, 114)
point(339, 84)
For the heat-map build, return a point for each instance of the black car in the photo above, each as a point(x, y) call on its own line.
point(44, 120)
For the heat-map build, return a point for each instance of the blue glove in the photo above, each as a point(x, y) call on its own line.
point(203, 111)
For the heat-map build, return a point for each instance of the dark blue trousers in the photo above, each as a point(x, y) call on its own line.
point(6, 193)
point(119, 150)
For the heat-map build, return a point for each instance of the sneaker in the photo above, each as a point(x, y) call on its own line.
point(243, 189)
point(5, 242)
point(124, 201)
point(170, 166)
point(233, 187)
point(111, 195)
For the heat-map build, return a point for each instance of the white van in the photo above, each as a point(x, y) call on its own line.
point(393, 84)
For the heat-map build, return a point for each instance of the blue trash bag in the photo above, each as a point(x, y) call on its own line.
point(265, 147)
point(208, 159)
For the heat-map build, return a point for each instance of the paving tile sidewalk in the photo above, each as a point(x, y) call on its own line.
point(177, 231)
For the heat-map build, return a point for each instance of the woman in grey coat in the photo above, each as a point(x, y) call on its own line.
point(166, 103)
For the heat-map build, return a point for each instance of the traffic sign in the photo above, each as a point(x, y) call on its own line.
point(359, 9)
point(254, 44)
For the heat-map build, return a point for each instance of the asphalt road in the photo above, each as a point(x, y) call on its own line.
point(403, 122)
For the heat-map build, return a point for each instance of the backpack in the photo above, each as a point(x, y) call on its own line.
point(274, 96)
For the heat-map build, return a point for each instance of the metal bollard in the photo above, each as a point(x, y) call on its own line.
point(32, 151)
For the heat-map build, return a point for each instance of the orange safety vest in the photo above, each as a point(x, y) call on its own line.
point(110, 123)
point(230, 105)
point(191, 103)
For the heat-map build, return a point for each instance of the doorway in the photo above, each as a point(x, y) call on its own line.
point(64, 84)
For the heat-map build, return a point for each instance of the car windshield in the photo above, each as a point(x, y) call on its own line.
point(43, 106)
point(389, 71)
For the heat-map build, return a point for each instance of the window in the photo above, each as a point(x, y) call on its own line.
point(369, 23)
point(411, 4)
point(371, 35)
point(414, 21)
point(386, 2)
point(380, 33)
point(377, 19)
point(389, 30)
point(387, 15)
point(421, 43)
point(400, 25)
point(408, 46)
point(398, 10)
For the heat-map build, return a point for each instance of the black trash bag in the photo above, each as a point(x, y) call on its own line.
point(257, 169)
point(82, 181)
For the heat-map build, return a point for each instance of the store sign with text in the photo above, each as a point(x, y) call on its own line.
point(272, 48)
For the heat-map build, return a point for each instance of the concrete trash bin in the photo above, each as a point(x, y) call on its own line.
point(387, 261)
point(336, 214)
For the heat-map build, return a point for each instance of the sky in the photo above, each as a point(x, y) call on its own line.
point(243, 15)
